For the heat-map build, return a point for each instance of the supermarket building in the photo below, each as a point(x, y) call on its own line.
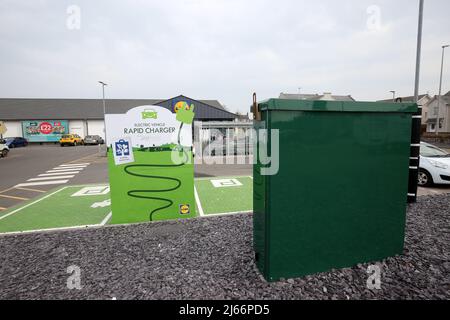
point(45, 120)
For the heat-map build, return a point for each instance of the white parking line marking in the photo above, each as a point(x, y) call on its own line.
point(210, 215)
point(50, 178)
point(74, 164)
point(105, 221)
point(63, 171)
point(32, 203)
point(52, 229)
point(199, 205)
point(69, 168)
point(42, 183)
point(57, 174)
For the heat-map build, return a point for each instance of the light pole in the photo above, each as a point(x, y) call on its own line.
point(104, 113)
point(419, 51)
point(299, 93)
point(104, 105)
point(440, 89)
point(393, 95)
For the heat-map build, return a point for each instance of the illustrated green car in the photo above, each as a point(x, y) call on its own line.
point(149, 114)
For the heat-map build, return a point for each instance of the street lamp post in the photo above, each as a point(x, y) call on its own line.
point(104, 110)
point(393, 95)
point(419, 51)
point(440, 89)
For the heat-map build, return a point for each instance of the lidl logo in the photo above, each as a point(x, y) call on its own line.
point(149, 114)
point(185, 209)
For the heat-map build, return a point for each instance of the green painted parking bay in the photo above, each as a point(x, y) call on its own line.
point(224, 195)
point(66, 207)
point(89, 205)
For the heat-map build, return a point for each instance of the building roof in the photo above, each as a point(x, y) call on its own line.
point(89, 109)
point(406, 99)
point(446, 99)
point(324, 96)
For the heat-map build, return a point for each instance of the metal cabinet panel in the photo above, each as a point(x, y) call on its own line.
point(339, 197)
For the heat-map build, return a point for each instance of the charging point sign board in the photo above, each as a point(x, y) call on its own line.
point(151, 167)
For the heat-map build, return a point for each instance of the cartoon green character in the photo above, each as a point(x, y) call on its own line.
point(186, 114)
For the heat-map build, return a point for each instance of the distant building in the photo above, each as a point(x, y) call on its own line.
point(326, 96)
point(444, 114)
point(45, 120)
point(424, 101)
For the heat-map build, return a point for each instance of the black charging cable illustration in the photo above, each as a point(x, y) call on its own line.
point(141, 194)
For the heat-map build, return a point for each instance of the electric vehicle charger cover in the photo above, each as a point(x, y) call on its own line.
point(339, 196)
point(150, 161)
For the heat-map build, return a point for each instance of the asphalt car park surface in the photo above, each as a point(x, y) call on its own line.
point(23, 164)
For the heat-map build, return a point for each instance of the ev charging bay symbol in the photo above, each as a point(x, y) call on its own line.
point(226, 183)
point(91, 191)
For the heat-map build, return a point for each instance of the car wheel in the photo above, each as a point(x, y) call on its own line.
point(4, 153)
point(425, 179)
point(75, 144)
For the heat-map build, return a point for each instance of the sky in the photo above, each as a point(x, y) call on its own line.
point(219, 49)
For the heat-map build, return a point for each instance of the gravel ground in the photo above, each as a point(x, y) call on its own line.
point(212, 259)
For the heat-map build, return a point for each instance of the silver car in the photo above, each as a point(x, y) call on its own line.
point(95, 139)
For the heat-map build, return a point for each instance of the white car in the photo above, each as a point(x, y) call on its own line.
point(4, 149)
point(434, 165)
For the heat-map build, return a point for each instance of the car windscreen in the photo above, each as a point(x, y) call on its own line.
point(66, 136)
point(430, 151)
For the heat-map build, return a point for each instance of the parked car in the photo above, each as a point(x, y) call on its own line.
point(4, 149)
point(95, 139)
point(70, 139)
point(434, 165)
point(16, 142)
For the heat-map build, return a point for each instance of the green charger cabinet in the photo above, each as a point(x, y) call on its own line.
point(339, 196)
